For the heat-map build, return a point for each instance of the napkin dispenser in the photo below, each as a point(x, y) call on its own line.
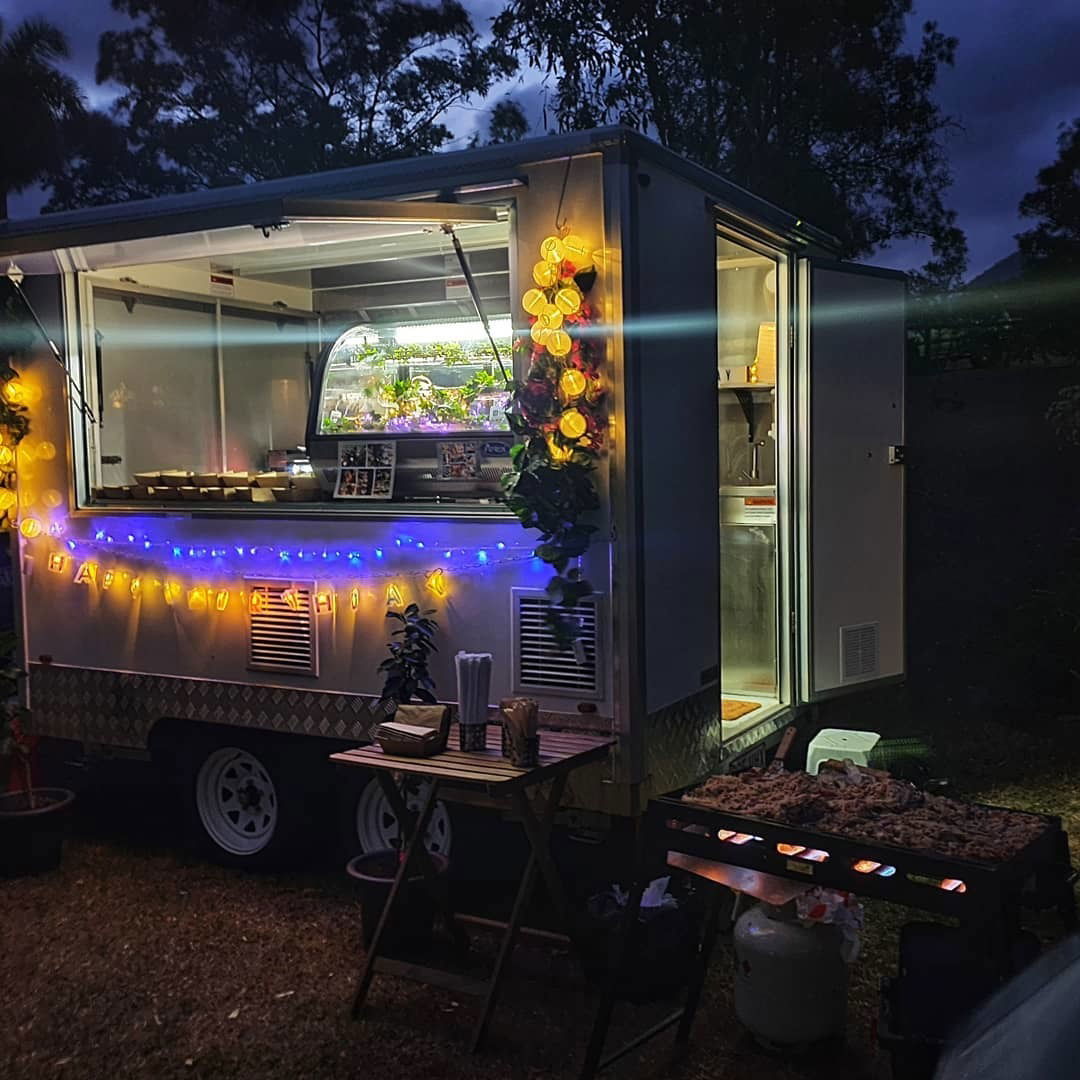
point(415, 731)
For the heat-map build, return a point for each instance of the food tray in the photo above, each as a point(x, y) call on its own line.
point(919, 879)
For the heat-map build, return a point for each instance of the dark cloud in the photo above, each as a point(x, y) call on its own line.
point(1016, 79)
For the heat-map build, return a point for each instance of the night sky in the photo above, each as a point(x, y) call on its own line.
point(1017, 78)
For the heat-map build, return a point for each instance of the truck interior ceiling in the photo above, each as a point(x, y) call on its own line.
point(204, 359)
point(751, 645)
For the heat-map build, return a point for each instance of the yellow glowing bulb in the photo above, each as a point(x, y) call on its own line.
point(540, 333)
point(545, 273)
point(196, 598)
point(57, 563)
point(15, 392)
point(30, 527)
point(257, 600)
point(574, 248)
point(559, 454)
point(324, 602)
point(8, 498)
point(172, 592)
point(557, 342)
point(292, 598)
point(568, 300)
point(86, 574)
point(551, 249)
point(7, 457)
point(52, 498)
point(436, 581)
point(572, 424)
point(354, 598)
point(221, 599)
point(135, 588)
point(534, 301)
point(550, 317)
point(108, 578)
point(27, 497)
point(572, 383)
point(46, 451)
point(393, 596)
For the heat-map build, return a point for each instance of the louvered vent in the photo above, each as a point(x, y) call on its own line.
point(281, 628)
point(859, 651)
point(540, 665)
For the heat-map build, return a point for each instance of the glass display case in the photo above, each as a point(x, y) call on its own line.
point(437, 379)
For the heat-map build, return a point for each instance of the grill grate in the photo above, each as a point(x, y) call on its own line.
point(540, 664)
point(281, 628)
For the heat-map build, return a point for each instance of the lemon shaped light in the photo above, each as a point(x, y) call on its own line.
point(551, 249)
point(7, 457)
point(557, 342)
point(52, 498)
point(47, 450)
point(8, 498)
point(572, 424)
point(15, 392)
point(559, 454)
point(572, 383)
point(568, 300)
point(545, 273)
point(540, 333)
point(574, 247)
point(534, 301)
point(551, 317)
point(30, 527)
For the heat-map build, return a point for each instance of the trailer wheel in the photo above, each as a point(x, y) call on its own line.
point(377, 827)
point(245, 806)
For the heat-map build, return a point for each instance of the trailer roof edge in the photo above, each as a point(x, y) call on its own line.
point(438, 173)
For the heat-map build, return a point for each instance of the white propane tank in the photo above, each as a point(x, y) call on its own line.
point(791, 980)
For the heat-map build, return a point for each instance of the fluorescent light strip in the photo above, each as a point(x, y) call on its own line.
point(430, 333)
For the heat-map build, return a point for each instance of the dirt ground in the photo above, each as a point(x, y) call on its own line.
point(136, 959)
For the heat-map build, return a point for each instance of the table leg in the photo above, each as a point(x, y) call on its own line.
point(415, 841)
point(709, 935)
point(538, 831)
point(539, 838)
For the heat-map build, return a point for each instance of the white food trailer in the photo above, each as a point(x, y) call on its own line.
point(281, 414)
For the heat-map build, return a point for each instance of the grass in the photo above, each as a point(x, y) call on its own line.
point(137, 960)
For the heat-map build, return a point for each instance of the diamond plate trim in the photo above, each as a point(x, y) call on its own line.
point(117, 709)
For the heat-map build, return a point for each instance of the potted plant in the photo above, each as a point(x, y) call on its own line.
point(406, 668)
point(407, 679)
point(33, 820)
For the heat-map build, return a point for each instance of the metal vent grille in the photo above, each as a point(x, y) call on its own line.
point(281, 628)
point(859, 653)
point(540, 664)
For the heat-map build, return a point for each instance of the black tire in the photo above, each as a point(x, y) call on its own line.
point(254, 802)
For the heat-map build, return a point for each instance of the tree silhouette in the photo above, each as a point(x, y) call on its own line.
point(39, 100)
point(217, 92)
point(815, 106)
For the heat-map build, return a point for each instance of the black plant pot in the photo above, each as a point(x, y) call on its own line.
point(411, 924)
point(32, 839)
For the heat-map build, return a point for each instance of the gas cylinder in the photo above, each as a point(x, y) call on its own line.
point(791, 980)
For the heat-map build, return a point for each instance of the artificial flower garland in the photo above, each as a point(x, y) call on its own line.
point(558, 413)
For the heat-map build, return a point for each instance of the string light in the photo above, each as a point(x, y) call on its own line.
point(135, 588)
point(221, 599)
point(393, 596)
point(354, 598)
point(436, 581)
point(196, 599)
point(30, 527)
point(324, 602)
point(108, 578)
point(86, 574)
point(57, 562)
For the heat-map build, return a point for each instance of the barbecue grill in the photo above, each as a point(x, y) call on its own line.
point(1038, 876)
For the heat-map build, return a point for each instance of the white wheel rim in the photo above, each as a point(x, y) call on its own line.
point(237, 801)
point(377, 826)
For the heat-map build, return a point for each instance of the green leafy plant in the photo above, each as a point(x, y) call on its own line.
point(406, 668)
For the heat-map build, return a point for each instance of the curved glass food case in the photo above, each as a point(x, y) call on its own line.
point(412, 412)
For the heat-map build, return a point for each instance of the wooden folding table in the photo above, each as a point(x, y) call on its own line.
point(486, 770)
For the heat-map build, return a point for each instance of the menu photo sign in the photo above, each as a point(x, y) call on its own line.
point(365, 470)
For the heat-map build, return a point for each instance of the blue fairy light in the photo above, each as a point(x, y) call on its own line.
point(177, 553)
point(378, 553)
point(501, 546)
point(481, 556)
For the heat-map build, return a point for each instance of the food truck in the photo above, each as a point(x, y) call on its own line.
point(274, 412)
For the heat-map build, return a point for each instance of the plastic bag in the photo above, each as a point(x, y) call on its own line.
point(833, 907)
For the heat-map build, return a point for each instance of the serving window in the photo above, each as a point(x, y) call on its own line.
point(253, 377)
